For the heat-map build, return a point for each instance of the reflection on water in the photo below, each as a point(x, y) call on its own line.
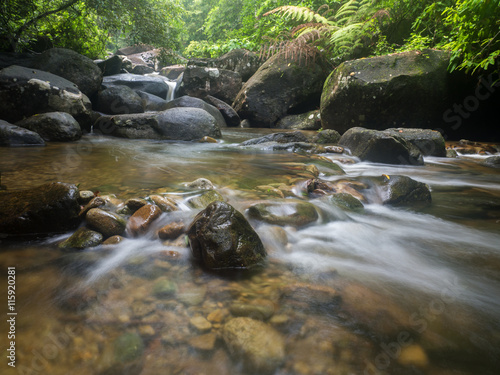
point(385, 291)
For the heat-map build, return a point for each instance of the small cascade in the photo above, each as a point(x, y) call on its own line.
point(172, 85)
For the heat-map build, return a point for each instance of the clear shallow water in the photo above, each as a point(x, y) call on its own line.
point(387, 291)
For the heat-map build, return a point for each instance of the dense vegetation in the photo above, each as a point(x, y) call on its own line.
point(338, 30)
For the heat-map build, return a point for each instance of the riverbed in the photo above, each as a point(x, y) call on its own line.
point(379, 291)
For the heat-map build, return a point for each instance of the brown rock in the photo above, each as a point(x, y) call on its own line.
point(166, 204)
point(171, 231)
point(141, 220)
point(204, 342)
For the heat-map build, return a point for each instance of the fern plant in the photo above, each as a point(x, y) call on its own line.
point(338, 31)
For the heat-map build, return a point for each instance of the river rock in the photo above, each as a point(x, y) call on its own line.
point(204, 199)
point(72, 66)
point(94, 203)
point(204, 342)
point(186, 124)
point(259, 309)
point(49, 208)
point(190, 102)
point(111, 66)
point(25, 92)
point(296, 214)
point(128, 347)
point(142, 219)
point(135, 203)
point(200, 323)
point(82, 239)
point(327, 136)
point(278, 87)
point(117, 100)
point(284, 137)
point(261, 347)
point(171, 231)
point(172, 71)
point(429, 142)
point(492, 161)
point(166, 204)
point(164, 287)
point(150, 84)
point(407, 89)
point(200, 82)
point(222, 239)
point(53, 126)
point(380, 147)
point(229, 114)
point(201, 183)
point(105, 222)
point(305, 121)
point(399, 191)
point(12, 135)
point(346, 202)
point(142, 69)
point(152, 103)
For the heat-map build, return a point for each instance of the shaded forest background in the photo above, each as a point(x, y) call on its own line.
point(336, 30)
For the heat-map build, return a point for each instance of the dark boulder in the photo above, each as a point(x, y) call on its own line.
point(25, 92)
point(492, 161)
point(184, 124)
point(111, 66)
point(284, 137)
point(305, 121)
point(229, 114)
point(200, 82)
point(49, 208)
point(222, 239)
point(429, 142)
point(401, 191)
point(152, 85)
point(12, 135)
point(278, 88)
point(142, 69)
point(327, 136)
point(408, 89)
point(152, 103)
point(380, 147)
point(53, 126)
point(173, 72)
point(72, 66)
point(117, 100)
point(190, 102)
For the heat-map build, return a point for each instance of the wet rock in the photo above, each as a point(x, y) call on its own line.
point(380, 147)
point(260, 346)
point(172, 71)
point(429, 142)
point(312, 296)
point(220, 83)
point(82, 239)
point(114, 240)
point(151, 103)
point(171, 231)
point(305, 121)
point(259, 309)
point(191, 102)
point(26, 92)
point(362, 92)
point(229, 114)
point(150, 84)
point(346, 202)
point(451, 153)
point(204, 342)
point(118, 100)
point(142, 219)
point(166, 204)
point(12, 135)
point(142, 69)
point(327, 166)
point(135, 203)
point(111, 66)
point(296, 214)
point(72, 66)
point(400, 191)
point(222, 239)
point(107, 223)
point(128, 347)
point(94, 203)
point(278, 87)
point(200, 323)
point(208, 140)
point(49, 208)
point(192, 294)
point(413, 355)
point(203, 200)
point(285, 137)
point(85, 196)
point(327, 136)
point(53, 126)
point(492, 161)
point(164, 288)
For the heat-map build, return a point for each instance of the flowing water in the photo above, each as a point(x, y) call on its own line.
point(383, 291)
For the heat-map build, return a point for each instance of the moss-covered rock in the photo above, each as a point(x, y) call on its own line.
point(203, 200)
point(128, 347)
point(296, 214)
point(222, 239)
point(105, 222)
point(82, 239)
point(399, 191)
point(305, 121)
point(346, 202)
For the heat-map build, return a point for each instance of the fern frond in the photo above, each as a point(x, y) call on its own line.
point(299, 13)
point(345, 32)
point(305, 26)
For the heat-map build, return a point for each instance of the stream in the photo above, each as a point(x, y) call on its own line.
point(381, 291)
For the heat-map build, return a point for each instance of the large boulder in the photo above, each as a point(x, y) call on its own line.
point(25, 92)
point(12, 135)
point(408, 89)
point(285, 137)
point(200, 82)
point(304, 121)
point(184, 124)
point(190, 102)
point(72, 66)
point(49, 208)
point(279, 87)
point(260, 347)
point(429, 142)
point(53, 126)
point(380, 147)
point(229, 114)
point(222, 239)
point(111, 66)
point(151, 84)
point(152, 103)
point(401, 191)
point(241, 61)
point(117, 100)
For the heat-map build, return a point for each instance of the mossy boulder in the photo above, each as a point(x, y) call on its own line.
point(203, 200)
point(105, 222)
point(428, 142)
point(117, 100)
point(304, 121)
point(346, 202)
point(128, 347)
point(82, 239)
point(401, 191)
point(53, 126)
point(408, 89)
point(296, 214)
point(222, 239)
